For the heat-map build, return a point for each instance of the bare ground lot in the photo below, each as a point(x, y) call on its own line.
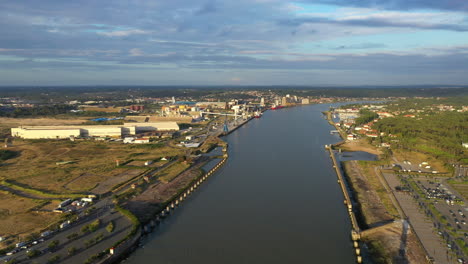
point(366, 187)
point(360, 145)
point(145, 205)
point(7, 122)
point(392, 239)
point(385, 240)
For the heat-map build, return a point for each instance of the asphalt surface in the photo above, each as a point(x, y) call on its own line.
point(423, 225)
point(105, 212)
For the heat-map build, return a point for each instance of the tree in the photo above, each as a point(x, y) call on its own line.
point(53, 259)
point(71, 251)
point(33, 253)
point(53, 245)
point(110, 227)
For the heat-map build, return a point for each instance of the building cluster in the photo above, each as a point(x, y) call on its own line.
point(60, 132)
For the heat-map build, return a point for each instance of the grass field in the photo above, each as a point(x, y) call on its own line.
point(166, 175)
point(92, 162)
point(418, 157)
point(17, 217)
point(368, 169)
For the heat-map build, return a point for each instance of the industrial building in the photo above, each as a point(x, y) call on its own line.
point(57, 132)
point(213, 105)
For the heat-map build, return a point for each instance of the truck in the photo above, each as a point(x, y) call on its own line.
point(65, 203)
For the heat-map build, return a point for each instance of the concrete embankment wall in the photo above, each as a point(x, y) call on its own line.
point(344, 189)
point(238, 126)
point(127, 247)
point(176, 201)
point(356, 231)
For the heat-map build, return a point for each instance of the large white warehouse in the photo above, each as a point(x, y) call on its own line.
point(36, 132)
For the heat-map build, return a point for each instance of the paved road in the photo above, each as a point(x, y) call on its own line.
point(104, 211)
point(423, 226)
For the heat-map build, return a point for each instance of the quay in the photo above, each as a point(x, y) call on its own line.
point(127, 247)
point(356, 231)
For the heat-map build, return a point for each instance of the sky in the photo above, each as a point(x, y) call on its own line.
point(234, 42)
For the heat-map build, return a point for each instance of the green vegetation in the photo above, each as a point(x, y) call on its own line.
point(365, 116)
point(378, 252)
point(53, 259)
point(93, 258)
point(33, 253)
point(46, 110)
point(439, 135)
point(7, 154)
point(12, 261)
point(147, 146)
point(133, 219)
point(426, 103)
point(36, 192)
point(72, 236)
point(169, 173)
point(71, 251)
point(93, 241)
point(109, 122)
point(110, 227)
point(92, 227)
point(53, 245)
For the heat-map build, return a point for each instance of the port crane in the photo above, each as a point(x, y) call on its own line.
point(225, 127)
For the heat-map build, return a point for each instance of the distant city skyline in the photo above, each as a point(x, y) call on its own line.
point(242, 42)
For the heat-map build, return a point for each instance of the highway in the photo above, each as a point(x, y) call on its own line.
point(105, 212)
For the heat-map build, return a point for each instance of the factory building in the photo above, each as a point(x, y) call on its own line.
point(45, 132)
point(154, 126)
point(213, 105)
point(58, 132)
point(101, 131)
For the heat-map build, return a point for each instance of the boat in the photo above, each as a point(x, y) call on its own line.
point(275, 107)
point(258, 114)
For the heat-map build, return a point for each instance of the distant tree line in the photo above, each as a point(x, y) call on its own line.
point(46, 110)
point(439, 134)
point(115, 93)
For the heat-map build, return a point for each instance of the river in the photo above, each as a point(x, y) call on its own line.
point(276, 200)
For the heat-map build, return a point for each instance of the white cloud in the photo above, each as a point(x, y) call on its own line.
point(124, 33)
point(136, 52)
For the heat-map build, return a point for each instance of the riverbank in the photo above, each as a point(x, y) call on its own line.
point(159, 200)
point(386, 237)
point(255, 203)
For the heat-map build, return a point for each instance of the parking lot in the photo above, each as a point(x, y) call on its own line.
point(444, 207)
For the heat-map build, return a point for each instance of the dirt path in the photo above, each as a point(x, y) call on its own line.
point(23, 194)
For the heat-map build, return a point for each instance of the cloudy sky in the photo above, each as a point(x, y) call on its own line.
point(234, 42)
